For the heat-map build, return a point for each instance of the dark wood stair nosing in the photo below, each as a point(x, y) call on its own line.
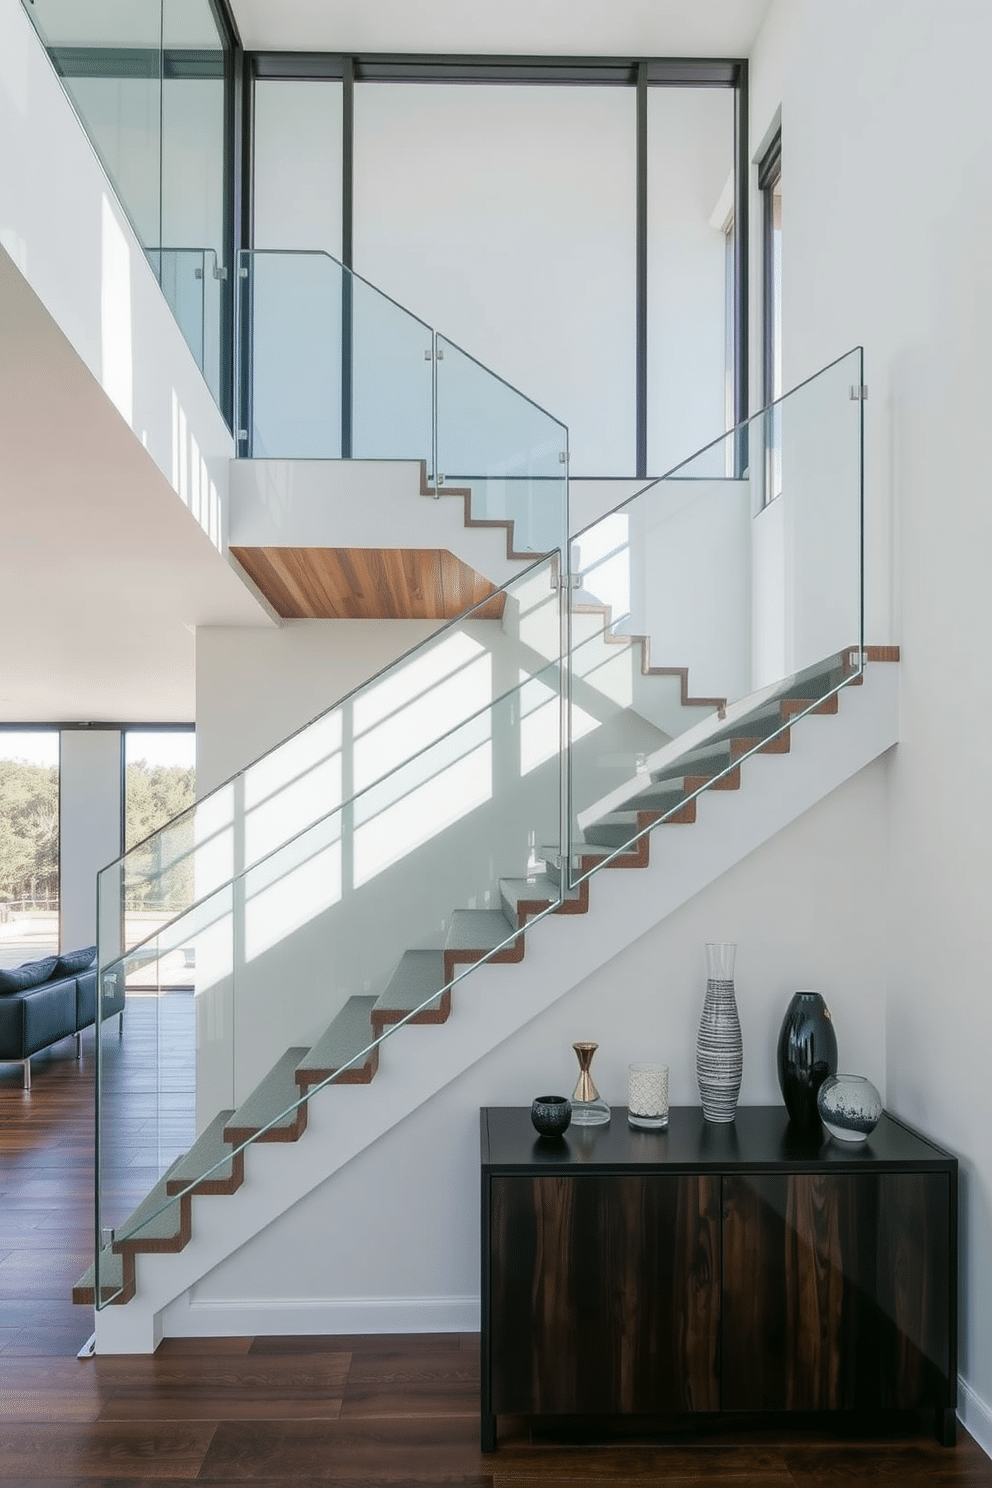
point(387, 1017)
point(211, 1186)
point(239, 1136)
point(356, 1074)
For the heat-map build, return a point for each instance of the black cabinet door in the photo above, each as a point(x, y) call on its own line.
point(836, 1291)
point(604, 1294)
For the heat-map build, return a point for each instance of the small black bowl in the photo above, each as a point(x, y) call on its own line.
point(551, 1114)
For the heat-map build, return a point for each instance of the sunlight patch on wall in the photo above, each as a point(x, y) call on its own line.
point(540, 723)
point(425, 811)
point(414, 709)
point(213, 835)
point(292, 888)
point(291, 788)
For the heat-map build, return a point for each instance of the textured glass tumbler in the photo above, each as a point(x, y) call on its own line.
point(647, 1097)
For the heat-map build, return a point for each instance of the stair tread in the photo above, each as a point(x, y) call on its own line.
point(541, 886)
point(477, 930)
point(111, 1272)
point(274, 1100)
point(715, 752)
point(657, 797)
point(209, 1150)
point(157, 1217)
point(345, 1039)
point(418, 980)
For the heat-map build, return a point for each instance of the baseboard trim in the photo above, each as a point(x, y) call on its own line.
point(975, 1415)
point(184, 1318)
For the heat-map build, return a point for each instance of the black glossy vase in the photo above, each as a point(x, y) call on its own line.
point(807, 1054)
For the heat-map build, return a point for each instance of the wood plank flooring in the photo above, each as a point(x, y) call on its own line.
point(337, 1412)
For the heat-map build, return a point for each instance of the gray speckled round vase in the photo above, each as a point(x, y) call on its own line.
point(719, 1045)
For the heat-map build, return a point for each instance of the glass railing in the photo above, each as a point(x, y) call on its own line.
point(344, 884)
point(332, 368)
point(149, 82)
point(194, 283)
point(336, 889)
point(706, 617)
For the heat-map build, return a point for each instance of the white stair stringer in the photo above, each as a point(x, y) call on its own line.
point(494, 1001)
point(350, 504)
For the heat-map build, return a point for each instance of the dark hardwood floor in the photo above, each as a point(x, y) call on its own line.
point(343, 1411)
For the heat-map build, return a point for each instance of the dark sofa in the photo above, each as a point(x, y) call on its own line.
point(44, 1001)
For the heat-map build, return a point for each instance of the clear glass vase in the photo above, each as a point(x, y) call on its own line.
point(719, 1045)
point(588, 1106)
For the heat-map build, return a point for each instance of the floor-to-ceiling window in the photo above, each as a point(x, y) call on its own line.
point(159, 786)
point(552, 217)
point(29, 844)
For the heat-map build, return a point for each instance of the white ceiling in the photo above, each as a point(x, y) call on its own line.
point(102, 568)
point(660, 28)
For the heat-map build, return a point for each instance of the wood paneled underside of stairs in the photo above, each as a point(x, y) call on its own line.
point(367, 583)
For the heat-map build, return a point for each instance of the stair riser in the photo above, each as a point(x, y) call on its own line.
point(383, 1018)
point(363, 1075)
point(469, 957)
point(164, 1245)
point(238, 1135)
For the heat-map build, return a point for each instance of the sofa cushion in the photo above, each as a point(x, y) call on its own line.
point(85, 999)
point(73, 961)
point(49, 1014)
point(31, 974)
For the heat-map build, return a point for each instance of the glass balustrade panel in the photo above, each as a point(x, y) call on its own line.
point(332, 368)
point(708, 614)
point(507, 452)
point(388, 360)
point(444, 786)
point(332, 868)
point(110, 64)
point(291, 328)
point(163, 1050)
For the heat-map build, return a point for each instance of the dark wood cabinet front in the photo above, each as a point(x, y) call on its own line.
point(607, 1295)
point(835, 1291)
point(745, 1267)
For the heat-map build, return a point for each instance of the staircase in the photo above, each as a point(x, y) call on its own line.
point(531, 744)
point(420, 989)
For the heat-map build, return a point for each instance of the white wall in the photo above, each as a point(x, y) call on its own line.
point(72, 242)
point(90, 802)
point(887, 217)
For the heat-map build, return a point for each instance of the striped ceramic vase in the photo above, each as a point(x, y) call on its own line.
point(719, 1046)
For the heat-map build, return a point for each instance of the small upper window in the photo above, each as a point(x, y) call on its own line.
point(770, 184)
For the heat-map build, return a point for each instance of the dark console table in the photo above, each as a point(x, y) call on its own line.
point(715, 1268)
